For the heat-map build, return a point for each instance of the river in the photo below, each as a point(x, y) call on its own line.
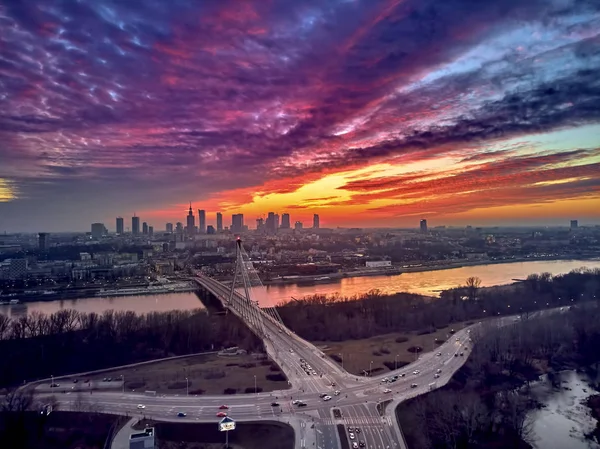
point(425, 282)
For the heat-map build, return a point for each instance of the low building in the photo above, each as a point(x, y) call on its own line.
point(143, 440)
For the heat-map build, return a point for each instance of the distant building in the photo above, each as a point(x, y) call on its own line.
point(120, 226)
point(135, 225)
point(145, 228)
point(378, 263)
point(43, 241)
point(316, 221)
point(219, 222)
point(210, 229)
point(285, 221)
point(98, 230)
point(423, 226)
point(150, 231)
point(298, 225)
point(260, 224)
point(169, 228)
point(191, 222)
point(237, 223)
point(574, 224)
point(17, 269)
point(143, 440)
point(202, 221)
point(270, 223)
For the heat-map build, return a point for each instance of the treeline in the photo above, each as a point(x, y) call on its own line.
point(37, 345)
point(337, 318)
point(481, 407)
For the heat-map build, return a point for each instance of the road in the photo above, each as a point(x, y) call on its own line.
point(314, 424)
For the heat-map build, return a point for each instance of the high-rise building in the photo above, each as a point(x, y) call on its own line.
point(316, 222)
point(120, 226)
point(285, 221)
point(423, 225)
point(43, 241)
point(17, 269)
point(191, 222)
point(179, 232)
point(237, 223)
point(272, 222)
point(135, 225)
point(202, 221)
point(144, 228)
point(260, 224)
point(210, 229)
point(276, 219)
point(298, 225)
point(98, 230)
point(169, 228)
point(219, 222)
point(150, 231)
point(574, 224)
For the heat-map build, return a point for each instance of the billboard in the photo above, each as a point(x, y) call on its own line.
point(226, 424)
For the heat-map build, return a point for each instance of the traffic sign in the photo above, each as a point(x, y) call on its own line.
point(226, 424)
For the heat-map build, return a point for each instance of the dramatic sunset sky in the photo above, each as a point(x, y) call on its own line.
point(368, 112)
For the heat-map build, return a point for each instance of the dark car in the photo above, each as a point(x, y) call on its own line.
point(274, 404)
point(361, 443)
point(357, 430)
point(302, 404)
point(75, 381)
point(181, 415)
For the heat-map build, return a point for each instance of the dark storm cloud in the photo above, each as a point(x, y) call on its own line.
point(225, 94)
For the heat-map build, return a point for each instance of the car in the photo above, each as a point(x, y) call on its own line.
point(351, 435)
point(322, 395)
point(354, 445)
point(455, 355)
point(392, 380)
point(457, 339)
point(462, 354)
point(221, 415)
point(333, 384)
point(416, 372)
point(387, 390)
point(439, 354)
point(413, 385)
point(296, 402)
point(439, 370)
point(141, 406)
point(223, 407)
point(291, 350)
point(385, 379)
point(87, 381)
point(75, 381)
point(302, 404)
point(105, 379)
point(274, 404)
point(361, 443)
point(327, 398)
point(54, 385)
point(403, 374)
point(436, 375)
point(350, 429)
point(356, 430)
point(181, 415)
point(109, 379)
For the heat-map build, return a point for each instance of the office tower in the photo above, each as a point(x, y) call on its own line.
point(169, 228)
point(316, 222)
point(276, 221)
point(150, 231)
point(219, 222)
point(144, 228)
point(120, 226)
point(202, 221)
point(237, 223)
point(272, 223)
point(191, 222)
point(135, 225)
point(285, 221)
point(98, 230)
point(210, 229)
point(298, 225)
point(260, 224)
point(43, 241)
point(423, 226)
point(179, 228)
point(574, 224)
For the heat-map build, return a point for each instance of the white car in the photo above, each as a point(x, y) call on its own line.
point(413, 385)
point(336, 393)
point(327, 398)
point(384, 380)
point(439, 370)
point(415, 372)
point(354, 445)
point(140, 406)
point(295, 402)
point(439, 354)
point(387, 390)
point(351, 435)
point(436, 375)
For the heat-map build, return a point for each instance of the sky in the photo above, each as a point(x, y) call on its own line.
point(373, 113)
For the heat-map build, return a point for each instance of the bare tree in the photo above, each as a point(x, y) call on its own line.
point(17, 400)
point(473, 283)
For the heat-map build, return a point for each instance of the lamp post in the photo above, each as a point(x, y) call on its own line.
point(123, 378)
point(396, 362)
point(51, 381)
point(370, 367)
point(342, 356)
point(187, 386)
point(255, 392)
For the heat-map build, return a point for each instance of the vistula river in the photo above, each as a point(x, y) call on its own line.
point(425, 282)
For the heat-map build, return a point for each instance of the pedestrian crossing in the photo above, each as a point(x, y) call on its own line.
point(358, 421)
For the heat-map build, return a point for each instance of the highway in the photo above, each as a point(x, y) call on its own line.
point(314, 423)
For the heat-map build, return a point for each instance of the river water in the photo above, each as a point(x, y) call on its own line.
point(564, 420)
point(426, 282)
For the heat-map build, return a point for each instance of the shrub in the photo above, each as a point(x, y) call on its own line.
point(248, 365)
point(251, 390)
point(265, 362)
point(274, 368)
point(336, 357)
point(197, 391)
point(391, 364)
point(384, 350)
point(376, 353)
point(415, 349)
point(425, 331)
point(401, 339)
point(229, 391)
point(214, 374)
point(135, 385)
point(177, 385)
point(232, 364)
point(279, 377)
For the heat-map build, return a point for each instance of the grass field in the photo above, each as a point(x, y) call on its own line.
point(207, 374)
point(358, 354)
point(247, 435)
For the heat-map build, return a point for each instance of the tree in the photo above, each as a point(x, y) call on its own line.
point(473, 284)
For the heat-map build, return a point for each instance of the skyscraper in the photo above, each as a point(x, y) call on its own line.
point(135, 225)
point(285, 221)
point(574, 224)
point(169, 228)
point(150, 231)
point(144, 228)
point(219, 222)
point(43, 241)
point(202, 221)
point(272, 223)
point(120, 226)
point(423, 226)
point(237, 223)
point(316, 222)
point(210, 229)
point(260, 224)
point(98, 230)
point(191, 222)
point(298, 225)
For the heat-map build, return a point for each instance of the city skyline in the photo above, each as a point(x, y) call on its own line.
point(458, 113)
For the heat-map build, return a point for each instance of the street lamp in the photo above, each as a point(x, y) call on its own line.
point(370, 367)
point(51, 381)
point(187, 386)
point(342, 356)
point(396, 362)
point(255, 392)
point(123, 378)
